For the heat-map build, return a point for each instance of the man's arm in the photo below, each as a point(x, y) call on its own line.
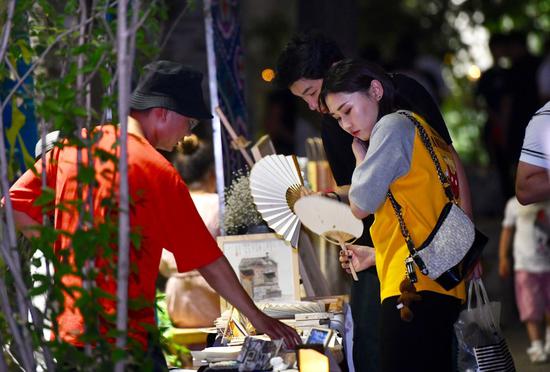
point(532, 183)
point(27, 225)
point(222, 278)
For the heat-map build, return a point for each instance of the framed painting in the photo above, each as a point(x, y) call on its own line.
point(266, 265)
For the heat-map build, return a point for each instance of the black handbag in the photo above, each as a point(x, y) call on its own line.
point(452, 249)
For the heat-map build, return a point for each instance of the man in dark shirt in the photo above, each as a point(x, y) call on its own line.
point(301, 67)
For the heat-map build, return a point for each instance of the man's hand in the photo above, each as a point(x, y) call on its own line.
point(223, 280)
point(361, 256)
point(276, 330)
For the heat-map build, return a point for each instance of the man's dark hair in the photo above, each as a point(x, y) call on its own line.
point(309, 56)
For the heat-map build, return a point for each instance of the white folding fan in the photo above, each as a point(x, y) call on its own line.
point(275, 184)
point(330, 219)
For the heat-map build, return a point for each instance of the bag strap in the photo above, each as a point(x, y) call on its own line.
point(428, 144)
point(405, 232)
point(397, 208)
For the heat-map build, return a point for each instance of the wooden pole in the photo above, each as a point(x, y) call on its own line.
point(234, 136)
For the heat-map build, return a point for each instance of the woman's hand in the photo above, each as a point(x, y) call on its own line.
point(361, 256)
point(304, 191)
point(359, 148)
point(477, 271)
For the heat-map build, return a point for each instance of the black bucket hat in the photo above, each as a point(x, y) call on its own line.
point(172, 86)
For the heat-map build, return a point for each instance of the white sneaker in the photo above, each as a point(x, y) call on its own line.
point(537, 355)
point(547, 347)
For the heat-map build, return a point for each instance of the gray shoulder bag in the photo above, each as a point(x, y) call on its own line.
point(453, 247)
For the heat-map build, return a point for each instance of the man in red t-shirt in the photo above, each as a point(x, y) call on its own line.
point(164, 108)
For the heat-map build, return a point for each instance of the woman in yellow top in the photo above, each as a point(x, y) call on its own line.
point(390, 156)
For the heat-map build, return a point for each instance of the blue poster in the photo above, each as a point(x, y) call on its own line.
point(20, 129)
point(230, 77)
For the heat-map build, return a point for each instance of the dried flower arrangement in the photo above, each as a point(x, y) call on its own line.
point(240, 211)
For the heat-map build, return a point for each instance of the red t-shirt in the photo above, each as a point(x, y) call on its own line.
point(161, 211)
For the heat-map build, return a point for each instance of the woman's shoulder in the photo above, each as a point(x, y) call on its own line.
point(395, 121)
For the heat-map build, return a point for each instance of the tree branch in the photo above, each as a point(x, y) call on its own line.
point(41, 58)
point(26, 355)
point(7, 29)
point(173, 27)
point(124, 221)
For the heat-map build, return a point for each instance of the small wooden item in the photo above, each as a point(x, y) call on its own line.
point(330, 219)
point(237, 142)
point(262, 147)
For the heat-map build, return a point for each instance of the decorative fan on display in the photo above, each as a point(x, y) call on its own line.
point(275, 184)
point(330, 219)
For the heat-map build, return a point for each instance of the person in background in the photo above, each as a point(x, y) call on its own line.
point(528, 227)
point(390, 155)
point(524, 92)
point(165, 107)
point(532, 177)
point(280, 121)
point(543, 75)
point(494, 97)
point(190, 301)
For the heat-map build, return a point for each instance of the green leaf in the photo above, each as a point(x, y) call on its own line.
point(17, 122)
point(86, 174)
point(46, 198)
point(38, 290)
point(25, 52)
point(118, 354)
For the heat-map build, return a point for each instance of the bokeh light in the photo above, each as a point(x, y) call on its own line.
point(474, 72)
point(268, 74)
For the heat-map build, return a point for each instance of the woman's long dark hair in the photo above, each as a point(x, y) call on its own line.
point(401, 92)
point(352, 75)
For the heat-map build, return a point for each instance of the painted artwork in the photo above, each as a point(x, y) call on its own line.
point(266, 265)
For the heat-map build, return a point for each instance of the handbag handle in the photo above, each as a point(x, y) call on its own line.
point(482, 299)
point(480, 293)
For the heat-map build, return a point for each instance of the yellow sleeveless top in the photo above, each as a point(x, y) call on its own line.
point(421, 196)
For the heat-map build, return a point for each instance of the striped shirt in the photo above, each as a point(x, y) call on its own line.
point(536, 144)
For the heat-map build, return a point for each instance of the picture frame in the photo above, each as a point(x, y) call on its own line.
point(263, 147)
point(266, 265)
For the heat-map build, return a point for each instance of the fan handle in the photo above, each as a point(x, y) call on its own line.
point(342, 238)
point(352, 269)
